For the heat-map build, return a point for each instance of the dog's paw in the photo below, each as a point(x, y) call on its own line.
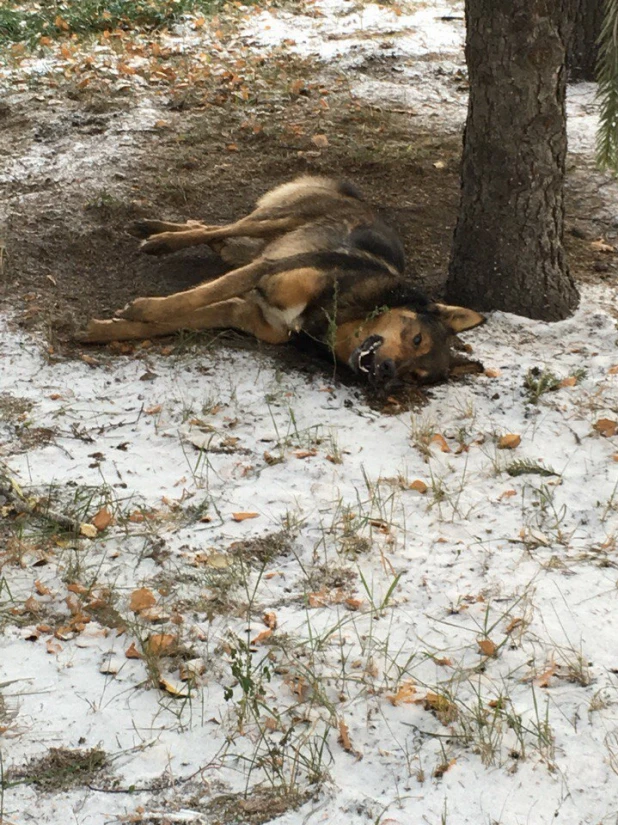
point(145, 310)
point(143, 228)
point(160, 244)
point(102, 332)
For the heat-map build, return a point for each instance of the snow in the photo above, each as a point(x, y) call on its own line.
point(380, 590)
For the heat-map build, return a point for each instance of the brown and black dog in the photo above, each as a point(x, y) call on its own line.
point(319, 260)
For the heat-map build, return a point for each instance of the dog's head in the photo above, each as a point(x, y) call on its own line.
point(404, 344)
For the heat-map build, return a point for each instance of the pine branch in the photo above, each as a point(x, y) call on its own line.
point(607, 92)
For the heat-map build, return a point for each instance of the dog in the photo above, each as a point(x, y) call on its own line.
point(313, 257)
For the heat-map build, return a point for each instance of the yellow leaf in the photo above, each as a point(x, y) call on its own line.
point(88, 530)
point(177, 690)
point(509, 441)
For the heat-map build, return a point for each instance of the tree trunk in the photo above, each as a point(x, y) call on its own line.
point(583, 48)
point(508, 246)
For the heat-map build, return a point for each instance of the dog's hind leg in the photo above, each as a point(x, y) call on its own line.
point(253, 226)
point(237, 313)
point(145, 227)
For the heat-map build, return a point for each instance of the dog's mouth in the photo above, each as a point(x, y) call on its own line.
point(364, 361)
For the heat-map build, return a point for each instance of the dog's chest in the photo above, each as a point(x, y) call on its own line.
point(290, 318)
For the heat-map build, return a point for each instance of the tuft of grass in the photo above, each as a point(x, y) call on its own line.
point(525, 466)
point(60, 769)
point(28, 22)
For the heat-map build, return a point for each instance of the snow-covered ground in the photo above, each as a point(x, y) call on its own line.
point(409, 615)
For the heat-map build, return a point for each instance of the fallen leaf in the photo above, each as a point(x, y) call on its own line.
point(568, 382)
point(507, 494)
point(179, 691)
point(132, 652)
point(88, 530)
point(516, 622)
point(406, 694)
point(443, 768)
point(102, 519)
point(439, 164)
point(31, 605)
point(611, 371)
point(270, 619)
point(602, 246)
point(162, 644)
point(141, 599)
point(305, 453)
point(353, 604)
point(606, 427)
point(544, 679)
point(244, 516)
point(154, 410)
point(441, 442)
point(444, 709)
point(487, 647)
point(189, 671)
point(321, 141)
point(419, 486)
point(509, 441)
point(261, 637)
point(41, 589)
point(493, 372)
point(344, 738)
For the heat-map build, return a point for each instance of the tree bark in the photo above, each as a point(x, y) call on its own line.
point(583, 48)
point(508, 249)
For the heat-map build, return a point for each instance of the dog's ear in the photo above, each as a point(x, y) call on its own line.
point(457, 319)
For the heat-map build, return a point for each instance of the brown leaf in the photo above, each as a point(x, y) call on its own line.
point(321, 141)
point(568, 382)
point(154, 410)
point(487, 647)
point(544, 679)
point(516, 622)
point(406, 694)
point(344, 737)
point(493, 372)
point(440, 440)
point(602, 246)
point(305, 453)
point(141, 599)
point(509, 441)
point(132, 652)
point(606, 427)
point(270, 619)
point(244, 516)
point(102, 519)
point(261, 637)
point(41, 589)
point(611, 371)
point(507, 494)
point(353, 604)
point(419, 486)
point(162, 644)
point(31, 605)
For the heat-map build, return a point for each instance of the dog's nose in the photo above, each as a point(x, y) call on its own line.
point(386, 370)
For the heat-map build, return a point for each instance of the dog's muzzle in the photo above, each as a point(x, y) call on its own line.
point(364, 362)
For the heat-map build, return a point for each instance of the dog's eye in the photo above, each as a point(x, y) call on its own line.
point(417, 339)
